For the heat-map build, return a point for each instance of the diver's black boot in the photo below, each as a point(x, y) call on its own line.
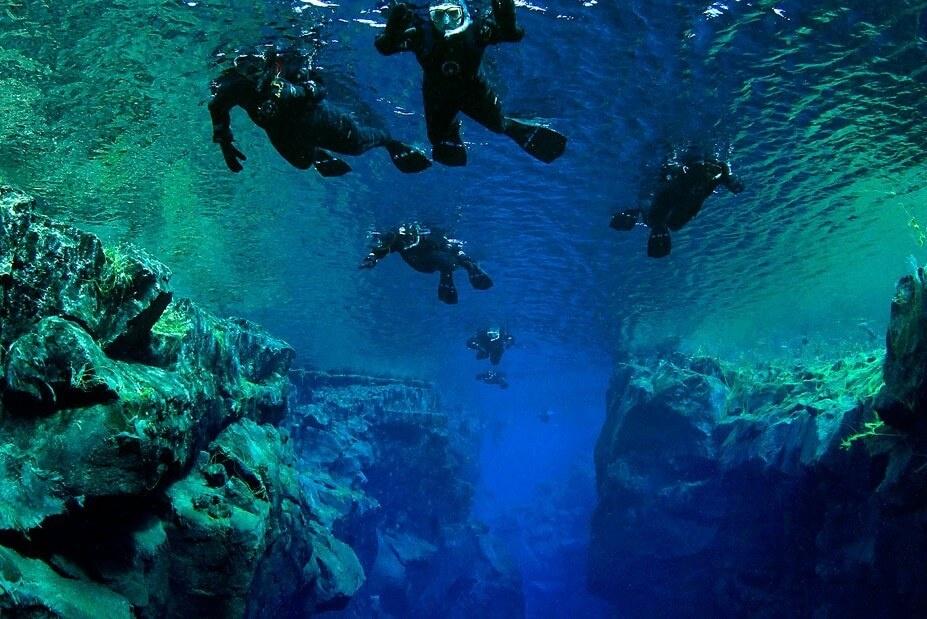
point(407, 160)
point(447, 292)
point(450, 150)
point(625, 220)
point(449, 153)
point(542, 143)
point(659, 243)
point(328, 165)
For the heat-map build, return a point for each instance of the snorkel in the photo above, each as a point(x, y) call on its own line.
point(450, 17)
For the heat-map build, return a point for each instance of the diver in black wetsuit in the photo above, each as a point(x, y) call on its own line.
point(491, 344)
point(285, 98)
point(427, 251)
point(679, 197)
point(492, 377)
point(449, 45)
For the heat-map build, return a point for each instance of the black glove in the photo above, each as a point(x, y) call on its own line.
point(400, 18)
point(368, 262)
point(232, 155)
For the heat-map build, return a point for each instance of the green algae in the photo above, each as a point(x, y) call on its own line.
point(174, 323)
point(871, 430)
point(854, 379)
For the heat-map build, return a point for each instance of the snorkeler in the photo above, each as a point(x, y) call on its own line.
point(285, 98)
point(492, 377)
point(449, 44)
point(679, 197)
point(428, 251)
point(491, 344)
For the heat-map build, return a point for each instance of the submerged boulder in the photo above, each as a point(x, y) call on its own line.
point(400, 488)
point(52, 269)
point(242, 539)
point(138, 470)
point(729, 492)
point(903, 402)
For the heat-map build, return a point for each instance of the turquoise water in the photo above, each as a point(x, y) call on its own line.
point(819, 110)
point(819, 106)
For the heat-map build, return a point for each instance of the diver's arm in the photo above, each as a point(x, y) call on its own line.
point(228, 90)
point(501, 26)
point(400, 34)
point(377, 253)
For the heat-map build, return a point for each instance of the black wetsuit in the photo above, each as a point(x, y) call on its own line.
point(290, 107)
point(679, 198)
point(453, 81)
point(490, 344)
point(429, 251)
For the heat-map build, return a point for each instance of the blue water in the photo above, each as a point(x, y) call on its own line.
point(820, 106)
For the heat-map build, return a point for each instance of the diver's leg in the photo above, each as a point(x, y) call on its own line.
point(327, 165)
point(443, 127)
point(625, 220)
point(479, 279)
point(339, 132)
point(447, 292)
point(483, 106)
point(495, 357)
point(659, 243)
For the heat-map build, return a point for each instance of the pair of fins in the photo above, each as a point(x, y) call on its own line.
point(447, 291)
point(542, 143)
point(495, 358)
point(407, 160)
point(659, 245)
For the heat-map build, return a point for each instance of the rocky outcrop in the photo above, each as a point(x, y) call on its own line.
point(399, 491)
point(903, 401)
point(140, 474)
point(762, 492)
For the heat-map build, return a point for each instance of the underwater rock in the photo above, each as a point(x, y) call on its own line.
point(249, 547)
point(31, 588)
point(52, 269)
point(54, 366)
point(398, 487)
point(903, 403)
point(761, 492)
point(137, 470)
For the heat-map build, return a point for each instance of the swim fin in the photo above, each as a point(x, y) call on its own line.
point(659, 244)
point(625, 220)
point(327, 165)
point(447, 292)
point(479, 279)
point(542, 143)
point(407, 160)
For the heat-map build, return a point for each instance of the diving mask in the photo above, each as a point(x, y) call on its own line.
point(450, 17)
